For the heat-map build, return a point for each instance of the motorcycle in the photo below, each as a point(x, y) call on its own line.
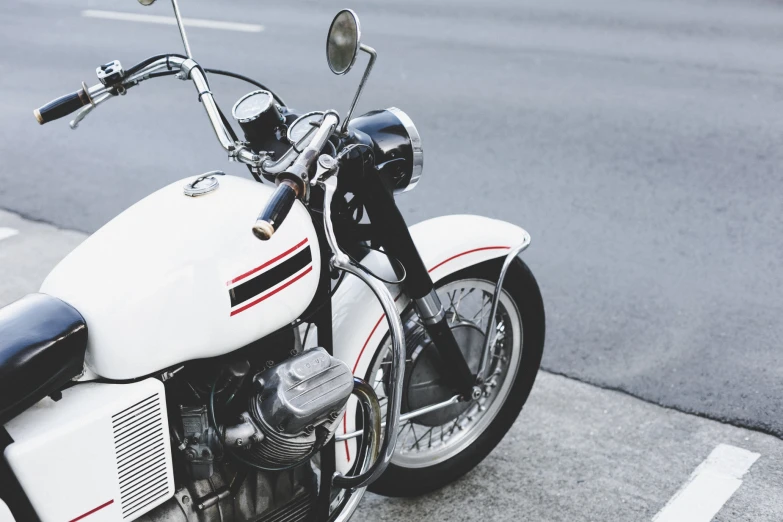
point(186, 363)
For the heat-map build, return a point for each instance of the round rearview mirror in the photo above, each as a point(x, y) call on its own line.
point(146, 2)
point(342, 43)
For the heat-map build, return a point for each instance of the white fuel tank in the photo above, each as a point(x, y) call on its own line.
point(175, 278)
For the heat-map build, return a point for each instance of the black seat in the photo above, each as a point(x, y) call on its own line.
point(42, 345)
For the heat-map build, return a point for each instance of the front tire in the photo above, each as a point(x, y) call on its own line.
point(411, 474)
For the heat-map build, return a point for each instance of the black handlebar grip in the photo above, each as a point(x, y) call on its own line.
point(276, 210)
point(62, 106)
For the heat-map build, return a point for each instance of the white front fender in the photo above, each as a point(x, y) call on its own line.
point(5, 513)
point(446, 244)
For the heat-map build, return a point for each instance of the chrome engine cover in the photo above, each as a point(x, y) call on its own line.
point(293, 402)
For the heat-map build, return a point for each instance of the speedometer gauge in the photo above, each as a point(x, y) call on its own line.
point(258, 115)
point(304, 125)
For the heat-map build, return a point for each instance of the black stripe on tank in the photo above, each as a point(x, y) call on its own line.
point(266, 280)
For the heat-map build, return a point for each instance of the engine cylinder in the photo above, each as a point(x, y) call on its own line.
point(295, 400)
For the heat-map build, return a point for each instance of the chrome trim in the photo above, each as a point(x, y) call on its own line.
point(299, 169)
point(87, 93)
point(246, 96)
point(98, 89)
point(488, 341)
point(186, 66)
point(181, 27)
point(162, 63)
point(347, 510)
point(405, 417)
point(203, 184)
point(373, 56)
point(341, 261)
point(372, 411)
point(418, 150)
point(210, 107)
point(188, 69)
point(286, 161)
point(430, 308)
point(272, 167)
point(298, 121)
point(358, 41)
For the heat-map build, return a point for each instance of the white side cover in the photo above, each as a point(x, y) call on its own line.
point(101, 451)
point(446, 244)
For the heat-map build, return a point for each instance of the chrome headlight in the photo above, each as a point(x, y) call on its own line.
point(394, 137)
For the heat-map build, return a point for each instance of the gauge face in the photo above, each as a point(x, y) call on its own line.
point(302, 125)
point(252, 106)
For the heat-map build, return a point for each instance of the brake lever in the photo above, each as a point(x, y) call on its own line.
point(74, 123)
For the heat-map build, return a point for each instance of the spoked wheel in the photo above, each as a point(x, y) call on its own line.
point(438, 447)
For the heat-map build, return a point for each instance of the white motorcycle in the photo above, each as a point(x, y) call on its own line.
point(186, 363)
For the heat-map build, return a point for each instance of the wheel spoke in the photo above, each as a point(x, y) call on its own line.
point(428, 432)
point(482, 311)
point(415, 441)
point(402, 429)
point(467, 303)
point(463, 295)
point(455, 317)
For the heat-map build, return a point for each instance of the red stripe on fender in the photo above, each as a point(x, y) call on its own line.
point(345, 426)
point(90, 512)
point(274, 259)
point(466, 253)
point(370, 337)
point(368, 341)
point(395, 299)
point(430, 270)
point(345, 430)
point(273, 292)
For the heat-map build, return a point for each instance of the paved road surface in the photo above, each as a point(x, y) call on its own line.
point(638, 141)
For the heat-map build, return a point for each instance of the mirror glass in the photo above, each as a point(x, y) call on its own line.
point(342, 43)
point(146, 2)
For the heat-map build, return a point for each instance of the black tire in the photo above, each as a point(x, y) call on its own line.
point(523, 289)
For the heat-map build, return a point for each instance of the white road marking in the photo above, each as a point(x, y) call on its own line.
point(170, 20)
point(709, 486)
point(6, 232)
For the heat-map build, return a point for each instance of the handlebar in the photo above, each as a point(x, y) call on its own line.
point(63, 106)
point(293, 183)
point(291, 169)
point(276, 210)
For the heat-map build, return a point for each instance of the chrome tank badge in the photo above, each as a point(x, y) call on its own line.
point(204, 184)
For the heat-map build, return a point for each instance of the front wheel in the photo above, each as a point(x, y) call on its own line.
point(437, 448)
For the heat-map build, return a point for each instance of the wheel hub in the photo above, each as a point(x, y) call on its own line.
point(426, 384)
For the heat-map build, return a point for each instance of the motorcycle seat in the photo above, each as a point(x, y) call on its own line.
point(42, 345)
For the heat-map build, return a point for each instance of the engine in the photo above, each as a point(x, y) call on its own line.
point(294, 409)
point(247, 423)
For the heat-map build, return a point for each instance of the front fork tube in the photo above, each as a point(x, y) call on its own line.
point(390, 228)
point(456, 368)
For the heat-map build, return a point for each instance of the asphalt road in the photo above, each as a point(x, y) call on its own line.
point(637, 141)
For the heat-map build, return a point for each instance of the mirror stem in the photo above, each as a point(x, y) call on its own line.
point(373, 55)
point(181, 28)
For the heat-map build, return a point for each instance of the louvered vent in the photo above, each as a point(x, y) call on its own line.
point(140, 448)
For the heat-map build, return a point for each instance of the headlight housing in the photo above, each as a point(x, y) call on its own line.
point(394, 137)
